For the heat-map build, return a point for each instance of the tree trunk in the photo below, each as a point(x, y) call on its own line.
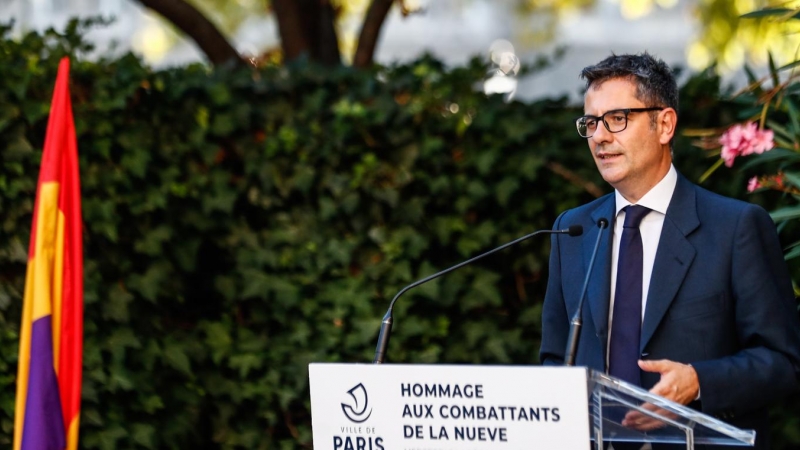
point(307, 27)
point(192, 22)
point(290, 28)
point(370, 32)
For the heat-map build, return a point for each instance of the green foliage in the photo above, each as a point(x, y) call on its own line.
point(732, 34)
point(241, 224)
point(772, 103)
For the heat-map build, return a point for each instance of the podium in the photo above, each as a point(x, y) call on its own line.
point(610, 399)
point(469, 407)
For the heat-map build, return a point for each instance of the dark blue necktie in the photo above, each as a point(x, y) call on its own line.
point(626, 322)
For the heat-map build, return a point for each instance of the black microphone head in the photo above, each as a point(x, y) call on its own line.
point(575, 230)
point(602, 223)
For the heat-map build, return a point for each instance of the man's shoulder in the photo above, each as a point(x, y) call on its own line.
point(712, 202)
point(692, 205)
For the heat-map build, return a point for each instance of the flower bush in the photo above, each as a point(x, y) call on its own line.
point(768, 133)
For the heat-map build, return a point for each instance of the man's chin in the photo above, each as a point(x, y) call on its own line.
point(612, 177)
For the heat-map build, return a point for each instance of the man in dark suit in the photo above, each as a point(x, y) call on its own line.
point(690, 297)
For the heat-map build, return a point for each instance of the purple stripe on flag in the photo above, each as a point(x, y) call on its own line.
point(44, 423)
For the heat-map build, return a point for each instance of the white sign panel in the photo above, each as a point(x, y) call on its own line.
point(445, 407)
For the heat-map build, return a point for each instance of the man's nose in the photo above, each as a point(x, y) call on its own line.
point(601, 134)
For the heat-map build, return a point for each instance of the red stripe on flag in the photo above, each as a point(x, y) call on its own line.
point(63, 141)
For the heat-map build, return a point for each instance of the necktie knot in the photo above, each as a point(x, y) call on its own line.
point(634, 215)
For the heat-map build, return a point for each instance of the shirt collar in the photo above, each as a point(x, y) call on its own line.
point(657, 198)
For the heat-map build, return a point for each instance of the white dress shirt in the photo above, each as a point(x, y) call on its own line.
point(657, 199)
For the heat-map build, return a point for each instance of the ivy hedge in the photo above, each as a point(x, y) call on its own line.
point(242, 223)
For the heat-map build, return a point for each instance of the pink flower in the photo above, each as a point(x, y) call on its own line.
point(729, 153)
point(764, 142)
point(753, 184)
point(743, 140)
point(749, 135)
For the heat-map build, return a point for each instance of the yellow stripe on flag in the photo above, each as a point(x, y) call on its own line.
point(58, 286)
point(45, 250)
point(72, 433)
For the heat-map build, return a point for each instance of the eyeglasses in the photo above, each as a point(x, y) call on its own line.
point(615, 120)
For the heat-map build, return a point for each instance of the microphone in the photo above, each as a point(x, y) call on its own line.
point(386, 324)
point(576, 323)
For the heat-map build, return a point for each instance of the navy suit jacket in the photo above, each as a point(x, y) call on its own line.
point(720, 298)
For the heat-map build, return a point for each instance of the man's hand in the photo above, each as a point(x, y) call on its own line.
point(678, 383)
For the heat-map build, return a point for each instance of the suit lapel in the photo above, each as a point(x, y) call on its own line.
point(599, 289)
point(674, 256)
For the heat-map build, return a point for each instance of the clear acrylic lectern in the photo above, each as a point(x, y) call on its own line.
point(610, 399)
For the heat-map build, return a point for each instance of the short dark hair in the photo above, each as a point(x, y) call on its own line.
point(655, 83)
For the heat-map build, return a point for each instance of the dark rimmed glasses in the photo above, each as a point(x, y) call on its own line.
point(615, 120)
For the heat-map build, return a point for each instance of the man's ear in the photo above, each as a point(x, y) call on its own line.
point(667, 121)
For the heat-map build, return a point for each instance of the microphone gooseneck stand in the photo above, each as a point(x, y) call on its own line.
point(386, 323)
point(577, 322)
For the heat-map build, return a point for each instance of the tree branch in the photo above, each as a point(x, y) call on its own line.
point(575, 179)
point(370, 31)
point(197, 26)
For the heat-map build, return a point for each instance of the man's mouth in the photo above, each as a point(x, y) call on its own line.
point(607, 155)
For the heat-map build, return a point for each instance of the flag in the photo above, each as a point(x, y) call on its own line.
point(48, 398)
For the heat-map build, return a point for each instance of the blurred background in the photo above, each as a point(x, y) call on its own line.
point(691, 34)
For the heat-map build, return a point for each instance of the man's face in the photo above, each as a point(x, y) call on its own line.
point(635, 159)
